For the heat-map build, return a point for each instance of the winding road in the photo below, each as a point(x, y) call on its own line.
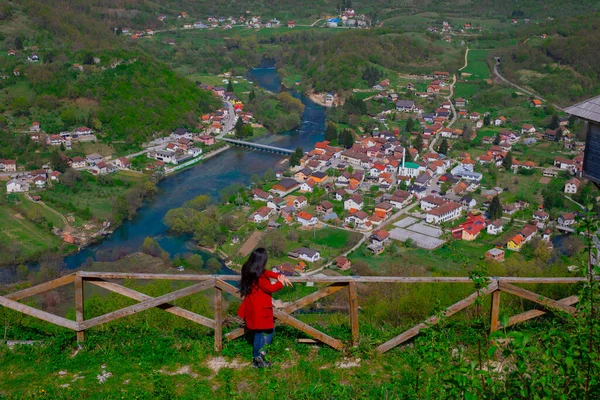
point(522, 89)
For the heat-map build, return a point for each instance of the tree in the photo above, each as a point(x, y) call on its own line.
point(346, 138)
point(230, 86)
point(198, 203)
point(331, 133)
point(274, 241)
point(418, 143)
point(239, 129)
point(486, 120)
point(495, 208)
point(20, 106)
point(50, 57)
point(410, 124)
point(70, 178)
point(296, 156)
point(119, 31)
point(151, 247)
point(443, 147)
point(213, 265)
point(195, 262)
point(497, 139)
point(88, 58)
point(59, 162)
point(18, 43)
point(508, 161)
point(269, 175)
point(467, 133)
point(252, 95)
point(554, 122)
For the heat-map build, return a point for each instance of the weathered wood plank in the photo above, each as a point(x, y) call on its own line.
point(453, 309)
point(527, 315)
point(353, 305)
point(34, 312)
point(218, 306)
point(135, 295)
point(41, 288)
point(331, 279)
point(79, 312)
point(236, 333)
point(309, 330)
point(536, 298)
point(150, 303)
point(495, 311)
point(311, 298)
point(232, 290)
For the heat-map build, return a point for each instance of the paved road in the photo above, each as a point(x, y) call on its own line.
point(454, 116)
point(230, 122)
point(503, 79)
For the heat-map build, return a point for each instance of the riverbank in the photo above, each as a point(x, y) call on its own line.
point(191, 163)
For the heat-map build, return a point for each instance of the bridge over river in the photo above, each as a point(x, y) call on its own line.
point(258, 146)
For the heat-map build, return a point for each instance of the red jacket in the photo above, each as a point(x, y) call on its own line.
point(257, 306)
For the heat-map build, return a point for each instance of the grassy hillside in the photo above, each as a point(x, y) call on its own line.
point(155, 355)
point(562, 66)
point(119, 91)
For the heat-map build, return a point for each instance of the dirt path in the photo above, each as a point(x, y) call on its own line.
point(466, 60)
point(251, 243)
point(62, 217)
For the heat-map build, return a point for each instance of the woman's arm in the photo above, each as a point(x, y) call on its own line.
point(266, 286)
point(271, 274)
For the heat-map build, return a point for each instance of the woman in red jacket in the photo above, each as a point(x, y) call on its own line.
point(257, 306)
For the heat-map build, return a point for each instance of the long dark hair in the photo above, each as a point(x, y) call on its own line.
point(252, 269)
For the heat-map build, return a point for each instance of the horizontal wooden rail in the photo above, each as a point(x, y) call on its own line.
point(282, 313)
point(327, 279)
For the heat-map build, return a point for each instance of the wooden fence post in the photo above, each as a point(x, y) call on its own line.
point(495, 311)
point(353, 304)
point(79, 313)
point(218, 305)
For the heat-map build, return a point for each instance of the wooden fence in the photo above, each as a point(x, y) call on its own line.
point(283, 314)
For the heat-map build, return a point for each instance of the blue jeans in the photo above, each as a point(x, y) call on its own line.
point(260, 339)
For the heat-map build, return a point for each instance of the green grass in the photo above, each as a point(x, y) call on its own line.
point(31, 238)
point(47, 214)
point(334, 238)
point(99, 198)
point(466, 90)
point(477, 67)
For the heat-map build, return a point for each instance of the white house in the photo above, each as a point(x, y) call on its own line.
point(78, 162)
point(354, 202)
point(16, 186)
point(306, 219)
point(566, 219)
point(94, 158)
point(445, 212)
point(262, 214)
point(308, 186)
point(572, 186)
point(305, 254)
point(430, 202)
point(495, 227)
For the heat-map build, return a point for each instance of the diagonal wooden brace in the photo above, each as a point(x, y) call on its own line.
point(527, 315)
point(135, 295)
point(453, 309)
point(41, 288)
point(536, 298)
point(34, 312)
point(150, 303)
